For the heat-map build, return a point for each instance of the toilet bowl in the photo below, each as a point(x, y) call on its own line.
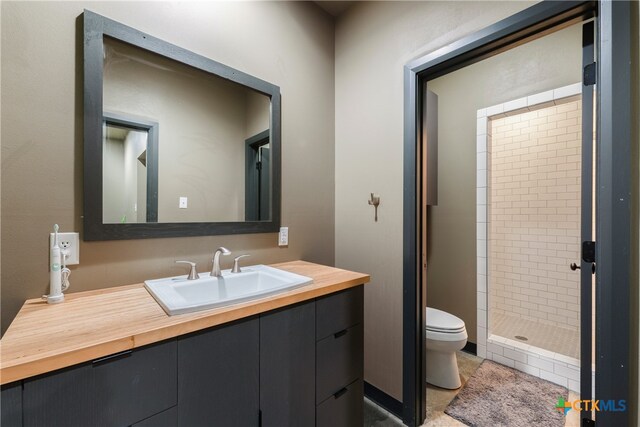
point(445, 335)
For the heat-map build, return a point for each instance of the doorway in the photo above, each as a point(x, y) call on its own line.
point(130, 169)
point(258, 178)
point(525, 26)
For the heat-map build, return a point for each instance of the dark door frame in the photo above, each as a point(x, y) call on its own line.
point(612, 201)
point(252, 188)
point(586, 221)
point(152, 129)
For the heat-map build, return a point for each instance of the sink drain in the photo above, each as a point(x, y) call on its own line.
point(521, 338)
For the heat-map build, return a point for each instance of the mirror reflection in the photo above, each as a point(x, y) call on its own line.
point(124, 153)
point(181, 144)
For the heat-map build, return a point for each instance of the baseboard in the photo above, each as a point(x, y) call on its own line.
point(395, 406)
point(471, 348)
point(383, 399)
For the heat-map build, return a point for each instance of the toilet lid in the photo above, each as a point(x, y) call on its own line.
point(441, 321)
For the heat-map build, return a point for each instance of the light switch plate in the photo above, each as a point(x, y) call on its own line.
point(283, 237)
point(182, 204)
point(70, 242)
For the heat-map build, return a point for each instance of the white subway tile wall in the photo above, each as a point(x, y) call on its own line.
point(534, 214)
point(528, 216)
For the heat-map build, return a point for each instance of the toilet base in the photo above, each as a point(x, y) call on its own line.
point(442, 369)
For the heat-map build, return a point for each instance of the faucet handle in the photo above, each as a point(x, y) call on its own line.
point(193, 274)
point(236, 264)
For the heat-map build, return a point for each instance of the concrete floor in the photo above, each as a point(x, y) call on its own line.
point(438, 398)
point(375, 416)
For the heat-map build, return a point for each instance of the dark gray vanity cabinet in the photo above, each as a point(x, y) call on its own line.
point(11, 405)
point(218, 381)
point(339, 359)
point(287, 366)
point(254, 372)
point(117, 390)
point(301, 365)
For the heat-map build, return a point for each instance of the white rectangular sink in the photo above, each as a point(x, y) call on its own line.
point(177, 295)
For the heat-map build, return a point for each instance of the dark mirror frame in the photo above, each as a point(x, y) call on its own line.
point(96, 27)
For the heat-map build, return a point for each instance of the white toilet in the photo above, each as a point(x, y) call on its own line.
point(446, 334)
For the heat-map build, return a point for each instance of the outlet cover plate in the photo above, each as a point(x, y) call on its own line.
point(283, 236)
point(72, 241)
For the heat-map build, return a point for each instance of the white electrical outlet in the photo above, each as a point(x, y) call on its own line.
point(283, 237)
point(69, 242)
point(182, 204)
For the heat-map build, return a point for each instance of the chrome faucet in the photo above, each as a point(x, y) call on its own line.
point(215, 271)
point(236, 263)
point(193, 274)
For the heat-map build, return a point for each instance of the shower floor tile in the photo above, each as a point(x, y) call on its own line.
point(549, 337)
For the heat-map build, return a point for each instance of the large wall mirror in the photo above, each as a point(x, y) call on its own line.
point(175, 144)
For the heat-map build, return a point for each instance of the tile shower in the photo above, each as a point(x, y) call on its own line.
point(528, 231)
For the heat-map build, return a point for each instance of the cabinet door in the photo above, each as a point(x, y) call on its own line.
point(61, 398)
point(11, 405)
point(135, 385)
point(218, 374)
point(117, 390)
point(287, 366)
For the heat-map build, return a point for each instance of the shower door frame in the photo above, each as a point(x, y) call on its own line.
point(613, 198)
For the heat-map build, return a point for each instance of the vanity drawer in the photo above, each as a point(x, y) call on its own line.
point(343, 409)
point(339, 361)
point(339, 311)
point(116, 390)
point(136, 385)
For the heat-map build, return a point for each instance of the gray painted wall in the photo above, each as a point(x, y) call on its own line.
point(258, 113)
point(289, 44)
point(374, 40)
point(113, 179)
point(124, 179)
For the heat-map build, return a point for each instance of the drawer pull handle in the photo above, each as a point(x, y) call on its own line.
point(111, 357)
point(339, 393)
point(339, 334)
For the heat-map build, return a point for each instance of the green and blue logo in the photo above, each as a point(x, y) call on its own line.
point(610, 405)
point(563, 406)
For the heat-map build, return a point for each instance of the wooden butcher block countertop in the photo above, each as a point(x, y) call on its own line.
point(93, 324)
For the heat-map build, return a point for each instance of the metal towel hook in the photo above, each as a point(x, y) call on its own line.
point(375, 201)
